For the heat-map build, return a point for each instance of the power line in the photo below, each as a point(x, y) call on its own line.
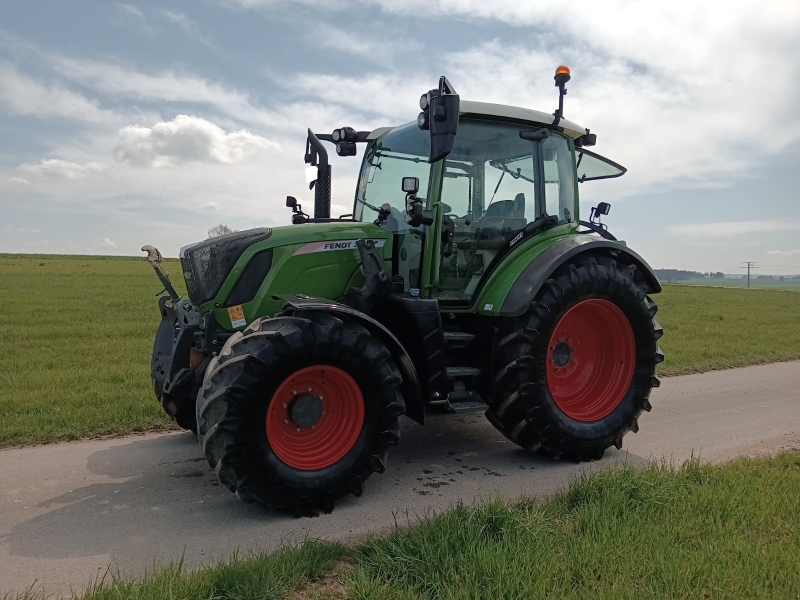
point(749, 266)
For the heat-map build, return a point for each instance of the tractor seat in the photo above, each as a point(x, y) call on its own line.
point(514, 209)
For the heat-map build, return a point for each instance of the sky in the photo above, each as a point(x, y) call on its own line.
point(124, 124)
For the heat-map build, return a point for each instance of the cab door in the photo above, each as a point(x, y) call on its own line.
point(495, 183)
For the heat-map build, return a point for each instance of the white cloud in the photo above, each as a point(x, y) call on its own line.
point(783, 253)
point(23, 95)
point(187, 139)
point(190, 27)
point(132, 17)
point(211, 206)
point(61, 169)
point(19, 181)
point(107, 243)
point(724, 229)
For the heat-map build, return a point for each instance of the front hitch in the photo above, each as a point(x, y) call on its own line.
point(155, 259)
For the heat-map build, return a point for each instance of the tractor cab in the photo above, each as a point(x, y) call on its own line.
point(508, 176)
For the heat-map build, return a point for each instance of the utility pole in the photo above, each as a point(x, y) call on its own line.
point(748, 267)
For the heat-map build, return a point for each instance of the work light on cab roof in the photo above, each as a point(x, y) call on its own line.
point(464, 279)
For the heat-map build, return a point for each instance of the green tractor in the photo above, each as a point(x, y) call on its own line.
point(463, 280)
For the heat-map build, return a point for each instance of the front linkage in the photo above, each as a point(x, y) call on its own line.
point(180, 355)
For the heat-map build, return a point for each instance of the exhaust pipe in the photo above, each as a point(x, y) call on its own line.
point(317, 154)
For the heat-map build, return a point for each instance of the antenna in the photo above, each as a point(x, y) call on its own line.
point(749, 266)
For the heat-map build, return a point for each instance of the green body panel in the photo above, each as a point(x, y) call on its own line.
point(326, 273)
point(491, 295)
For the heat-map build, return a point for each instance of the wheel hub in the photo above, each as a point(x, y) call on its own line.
point(561, 354)
point(306, 410)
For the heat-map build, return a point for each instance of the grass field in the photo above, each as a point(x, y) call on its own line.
point(78, 332)
point(719, 532)
point(789, 284)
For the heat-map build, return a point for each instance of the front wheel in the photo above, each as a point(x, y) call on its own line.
point(299, 410)
point(575, 372)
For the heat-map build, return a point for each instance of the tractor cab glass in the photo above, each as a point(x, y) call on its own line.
point(591, 166)
point(495, 184)
point(403, 152)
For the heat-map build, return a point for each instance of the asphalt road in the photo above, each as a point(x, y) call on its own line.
point(69, 510)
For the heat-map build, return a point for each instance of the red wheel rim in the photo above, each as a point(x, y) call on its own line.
point(331, 437)
point(590, 360)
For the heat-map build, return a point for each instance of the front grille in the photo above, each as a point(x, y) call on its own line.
point(207, 264)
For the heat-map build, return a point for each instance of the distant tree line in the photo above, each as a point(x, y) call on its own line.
point(682, 275)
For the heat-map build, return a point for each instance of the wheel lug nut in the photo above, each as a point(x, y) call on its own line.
point(569, 341)
point(556, 368)
point(286, 421)
point(297, 429)
point(294, 392)
point(285, 405)
point(572, 360)
point(551, 360)
point(313, 426)
point(320, 397)
point(559, 339)
point(574, 349)
point(552, 347)
point(309, 388)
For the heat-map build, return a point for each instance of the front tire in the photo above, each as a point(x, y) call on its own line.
point(299, 411)
point(575, 372)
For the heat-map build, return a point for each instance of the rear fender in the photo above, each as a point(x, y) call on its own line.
point(412, 391)
point(544, 264)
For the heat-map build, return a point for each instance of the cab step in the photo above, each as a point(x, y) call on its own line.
point(469, 406)
point(458, 339)
point(461, 372)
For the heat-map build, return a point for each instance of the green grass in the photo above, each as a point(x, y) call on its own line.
point(75, 349)
point(78, 333)
point(718, 328)
point(701, 531)
point(257, 576)
point(788, 283)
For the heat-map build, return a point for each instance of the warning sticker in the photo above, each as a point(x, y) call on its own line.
point(237, 316)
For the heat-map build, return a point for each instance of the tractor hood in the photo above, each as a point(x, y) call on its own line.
point(236, 268)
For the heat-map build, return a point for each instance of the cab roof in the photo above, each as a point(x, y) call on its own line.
point(503, 111)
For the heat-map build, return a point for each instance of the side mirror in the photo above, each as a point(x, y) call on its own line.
point(410, 185)
point(440, 109)
point(603, 208)
point(291, 201)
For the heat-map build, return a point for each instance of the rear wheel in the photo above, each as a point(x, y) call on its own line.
point(299, 411)
point(575, 372)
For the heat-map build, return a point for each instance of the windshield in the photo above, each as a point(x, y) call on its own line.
point(403, 152)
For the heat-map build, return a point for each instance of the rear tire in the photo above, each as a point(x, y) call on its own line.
point(246, 423)
point(610, 365)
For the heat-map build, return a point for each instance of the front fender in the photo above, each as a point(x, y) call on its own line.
point(544, 264)
point(412, 390)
